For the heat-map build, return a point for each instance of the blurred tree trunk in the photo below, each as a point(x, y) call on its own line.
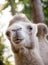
point(13, 6)
point(37, 11)
point(1, 62)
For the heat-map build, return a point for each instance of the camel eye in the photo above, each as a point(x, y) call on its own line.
point(29, 27)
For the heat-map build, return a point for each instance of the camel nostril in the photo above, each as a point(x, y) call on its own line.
point(14, 30)
point(8, 33)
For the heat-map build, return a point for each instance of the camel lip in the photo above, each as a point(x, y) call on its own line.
point(18, 41)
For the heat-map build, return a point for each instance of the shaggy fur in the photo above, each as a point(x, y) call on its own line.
point(43, 42)
point(27, 41)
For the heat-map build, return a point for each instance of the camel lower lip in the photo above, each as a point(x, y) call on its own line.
point(18, 41)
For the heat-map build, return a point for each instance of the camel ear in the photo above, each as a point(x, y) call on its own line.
point(8, 34)
point(42, 29)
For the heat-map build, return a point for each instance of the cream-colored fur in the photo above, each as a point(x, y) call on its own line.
point(26, 44)
point(43, 42)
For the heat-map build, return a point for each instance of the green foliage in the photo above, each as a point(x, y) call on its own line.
point(2, 48)
point(4, 6)
point(45, 8)
point(26, 9)
point(11, 3)
point(13, 6)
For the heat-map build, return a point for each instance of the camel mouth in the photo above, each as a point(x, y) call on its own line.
point(17, 41)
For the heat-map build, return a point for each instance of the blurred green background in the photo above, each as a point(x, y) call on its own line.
point(25, 5)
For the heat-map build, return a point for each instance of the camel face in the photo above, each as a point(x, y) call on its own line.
point(22, 33)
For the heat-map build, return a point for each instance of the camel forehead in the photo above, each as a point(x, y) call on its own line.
point(19, 24)
point(23, 25)
point(18, 18)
